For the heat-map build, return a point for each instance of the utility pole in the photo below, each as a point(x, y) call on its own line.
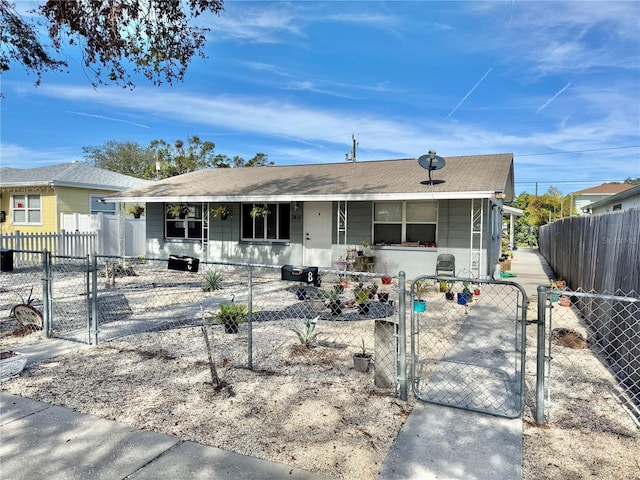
point(351, 156)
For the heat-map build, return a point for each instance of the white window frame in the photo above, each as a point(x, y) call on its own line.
point(191, 217)
point(277, 215)
point(26, 208)
point(404, 221)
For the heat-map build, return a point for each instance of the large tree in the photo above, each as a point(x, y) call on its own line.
point(130, 158)
point(155, 38)
point(538, 211)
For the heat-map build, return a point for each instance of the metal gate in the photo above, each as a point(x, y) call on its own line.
point(468, 343)
point(69, 298)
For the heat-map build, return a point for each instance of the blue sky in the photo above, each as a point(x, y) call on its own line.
point(555, 83)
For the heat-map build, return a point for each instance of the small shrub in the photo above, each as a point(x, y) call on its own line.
point(308, 335)
point(212, 281)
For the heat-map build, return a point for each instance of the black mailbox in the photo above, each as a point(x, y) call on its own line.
point(183, 263)
point(308, 275)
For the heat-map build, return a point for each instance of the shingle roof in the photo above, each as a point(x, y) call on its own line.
point(68, 174)
point(604, 189)
point(625, 194)
point(468, 176)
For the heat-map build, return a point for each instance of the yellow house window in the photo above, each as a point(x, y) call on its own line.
point(27, 209)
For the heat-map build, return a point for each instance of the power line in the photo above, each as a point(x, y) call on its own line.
point(582, 182)
point(574, 151)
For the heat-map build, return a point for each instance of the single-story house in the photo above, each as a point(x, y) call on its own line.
point(317, 215)
point(624, 200)
point(32, 199)
point(583, 199)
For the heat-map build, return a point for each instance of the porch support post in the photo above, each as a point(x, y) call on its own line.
point(511, 231)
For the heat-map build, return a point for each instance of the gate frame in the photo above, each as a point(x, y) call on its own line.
point(523, 336)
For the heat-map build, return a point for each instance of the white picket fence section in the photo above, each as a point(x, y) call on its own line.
point(81, 235)
point(70, 244)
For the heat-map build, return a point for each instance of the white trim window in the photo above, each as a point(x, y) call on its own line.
point(185, 225)
point(406, 222)
point(26, 209)
point(101, 207)
point(275, 226)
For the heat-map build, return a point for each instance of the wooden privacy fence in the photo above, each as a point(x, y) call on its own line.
point(74, 244)
point(596, 253)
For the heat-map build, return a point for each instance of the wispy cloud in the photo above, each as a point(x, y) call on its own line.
point(255, 25)
point(570, 37)
point(548, 102)
point(299, 81)
point(312, 87)
point(111, 119)
point(470, 91)
point(17, 156)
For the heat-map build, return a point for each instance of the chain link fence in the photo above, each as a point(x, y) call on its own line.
point(467, 353)
point(22, 294)
point(591, 348)
point(248, 316)
point(468, 344)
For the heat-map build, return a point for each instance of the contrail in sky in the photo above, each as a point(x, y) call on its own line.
point(553, 98)
point(470, 91)
point(109, 118)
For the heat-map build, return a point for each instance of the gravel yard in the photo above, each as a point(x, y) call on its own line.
point(308, 407)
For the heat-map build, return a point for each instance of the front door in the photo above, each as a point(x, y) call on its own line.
point(317, 234)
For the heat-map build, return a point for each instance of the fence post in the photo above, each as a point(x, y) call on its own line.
point(250, 321)
point(402, 334)
point(92, 263)
point(540, 353)
point(46, 289)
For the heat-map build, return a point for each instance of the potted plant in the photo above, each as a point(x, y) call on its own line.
point(231, 315)
point(335, 304)
point(11, 364)
point(223, 211)
point(362, 360)
point(318, 301)
point(364, 245)
point(467, 292)
point(448, 294)
point(135, 210)
point(257, 212)
point(178, 210)
point(420, 288)
point(301, 293)
point(362, 297)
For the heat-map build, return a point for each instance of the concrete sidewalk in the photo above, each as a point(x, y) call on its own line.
point(41, 441)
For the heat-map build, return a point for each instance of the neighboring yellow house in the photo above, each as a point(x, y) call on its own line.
point(32, 199)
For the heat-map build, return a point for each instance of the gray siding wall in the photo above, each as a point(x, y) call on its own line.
point(453, 236)
point(359, 219)
point(224, 240)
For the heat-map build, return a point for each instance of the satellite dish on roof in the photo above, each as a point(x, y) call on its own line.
point(431, 162)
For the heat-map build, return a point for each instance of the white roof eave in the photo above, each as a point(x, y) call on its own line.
point(306, 198)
